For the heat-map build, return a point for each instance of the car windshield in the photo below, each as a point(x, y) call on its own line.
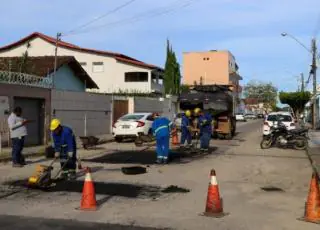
point(129, 117)
point(284, 118)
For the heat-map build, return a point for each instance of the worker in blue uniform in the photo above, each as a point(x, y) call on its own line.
point(161, 130)
point(205, 125)
point(65, 147)
point(185, 129)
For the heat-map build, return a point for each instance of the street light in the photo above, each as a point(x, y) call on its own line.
point(313, 71)
point(294, 38)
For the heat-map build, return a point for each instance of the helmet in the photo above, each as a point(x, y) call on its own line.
point(197, 110)
point(55, 123)
point(188, 113)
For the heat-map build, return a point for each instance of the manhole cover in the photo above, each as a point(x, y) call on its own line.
point(272, 189)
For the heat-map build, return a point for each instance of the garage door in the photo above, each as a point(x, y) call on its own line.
point(32, 110)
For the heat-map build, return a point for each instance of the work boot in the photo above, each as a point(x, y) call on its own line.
point(72, 175)
point(159, 161)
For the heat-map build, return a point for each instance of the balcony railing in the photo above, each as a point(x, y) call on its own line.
point(25, 79)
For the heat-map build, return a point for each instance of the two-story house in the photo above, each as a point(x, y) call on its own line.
point(111, 71)
point(212, 67)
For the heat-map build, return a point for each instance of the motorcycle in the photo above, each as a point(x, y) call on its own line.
point(282, 138)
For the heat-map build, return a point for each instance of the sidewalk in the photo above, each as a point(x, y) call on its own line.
point(313, 150)
point(34, 151)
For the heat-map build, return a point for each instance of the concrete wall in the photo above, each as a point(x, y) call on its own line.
point(111, 79)
point(7, 94)
point(85, 113)
point(212, 66)
point(65, 79)
point(166, 107)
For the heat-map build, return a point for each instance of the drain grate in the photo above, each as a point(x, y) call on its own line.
point(272, 189)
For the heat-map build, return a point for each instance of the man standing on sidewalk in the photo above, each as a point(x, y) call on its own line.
point(18, 131)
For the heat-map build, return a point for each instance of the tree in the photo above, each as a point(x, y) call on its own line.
point(296, 100)
point(263, 92)
point(172, 75)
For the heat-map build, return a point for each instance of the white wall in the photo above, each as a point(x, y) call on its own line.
point(111, 80)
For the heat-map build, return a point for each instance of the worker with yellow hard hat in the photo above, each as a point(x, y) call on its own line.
point(185, 129)
point(65, 147)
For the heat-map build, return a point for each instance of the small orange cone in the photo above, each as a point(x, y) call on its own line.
point(88, 202)
point(214, 205)
point(175, 140)
point(312, 206)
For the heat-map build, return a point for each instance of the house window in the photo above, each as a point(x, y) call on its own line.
point(136, 77)
point(97, 67)
point(83, 63)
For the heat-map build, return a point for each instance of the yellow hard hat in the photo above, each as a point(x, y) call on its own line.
point(197, 110)
point(188, 113)
point(55, 123)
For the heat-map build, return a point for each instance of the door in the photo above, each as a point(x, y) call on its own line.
point(32, 109)
point(120, 108)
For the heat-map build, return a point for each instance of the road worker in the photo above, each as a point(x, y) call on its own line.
point(65, 148)
point(185, 129)
point(205, 126)
point(161, 130)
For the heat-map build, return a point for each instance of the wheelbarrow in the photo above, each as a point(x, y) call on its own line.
point(89, 141)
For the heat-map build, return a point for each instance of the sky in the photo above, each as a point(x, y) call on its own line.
point(250, 29)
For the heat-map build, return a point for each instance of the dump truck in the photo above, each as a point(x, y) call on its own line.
point(217, 100)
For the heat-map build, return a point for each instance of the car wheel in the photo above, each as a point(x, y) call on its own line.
point(118, 139)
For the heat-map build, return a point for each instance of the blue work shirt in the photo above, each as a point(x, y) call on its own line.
point(65, 142)
point(185, 122)
point(161, 127)
point(205, 123)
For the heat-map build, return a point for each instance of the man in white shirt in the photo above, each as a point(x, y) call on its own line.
point(18, 131)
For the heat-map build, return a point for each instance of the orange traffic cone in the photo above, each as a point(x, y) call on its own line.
point(312, 206)
point(88, 202)
point(214, 205)
point(175, 140)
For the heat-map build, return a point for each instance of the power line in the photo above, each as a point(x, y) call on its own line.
point(148, 14)
point(100, 17)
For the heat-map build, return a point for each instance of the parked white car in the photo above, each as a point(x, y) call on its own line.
point(272, 118)
point(240, 117)
point(131, 125)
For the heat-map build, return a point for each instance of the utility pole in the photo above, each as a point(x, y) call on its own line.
point(302, 82)
point(314, 73)
point(56, 57)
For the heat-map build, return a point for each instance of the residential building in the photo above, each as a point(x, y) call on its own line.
point(69, 73)
point(212, 67)
point(111, 71)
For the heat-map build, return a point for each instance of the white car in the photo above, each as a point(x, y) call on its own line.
point(240, 117)
point(132, 125)
point(272, 120)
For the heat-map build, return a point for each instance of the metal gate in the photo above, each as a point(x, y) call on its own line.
point(120, 108)
point(32, 109)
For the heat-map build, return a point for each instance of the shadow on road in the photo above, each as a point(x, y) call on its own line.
point(148, 157)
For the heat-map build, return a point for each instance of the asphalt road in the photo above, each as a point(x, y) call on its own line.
point(22, 223)
point(261, 189)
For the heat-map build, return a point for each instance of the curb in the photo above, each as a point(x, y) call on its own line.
point(42, 153)
point(312, 162)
